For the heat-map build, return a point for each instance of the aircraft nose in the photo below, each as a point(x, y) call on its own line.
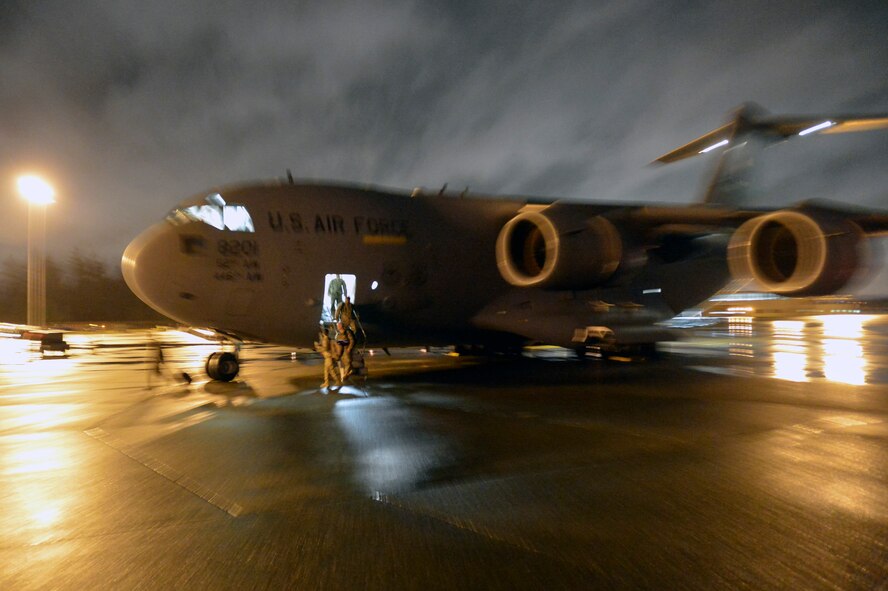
point(145, 265)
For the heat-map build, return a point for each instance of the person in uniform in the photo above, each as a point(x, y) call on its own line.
point(346, 340)
point(158, 365)
point(345, 314)
point(346, 324)
point(329, 350)
point(160, 369)
point(336, 290)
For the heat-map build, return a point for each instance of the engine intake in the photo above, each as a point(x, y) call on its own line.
point(554, 249)
point(795, 253)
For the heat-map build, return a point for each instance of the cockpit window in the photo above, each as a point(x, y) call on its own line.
point(217, 213)
point(237, 218)
point(208, 214)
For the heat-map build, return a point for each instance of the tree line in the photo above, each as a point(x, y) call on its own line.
point(80, 290)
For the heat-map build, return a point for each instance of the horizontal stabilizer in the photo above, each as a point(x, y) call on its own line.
point(747, 120)
point(852, 125)
point(705, 143)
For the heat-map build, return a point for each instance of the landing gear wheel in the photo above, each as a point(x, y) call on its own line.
point(594, 349)
point(222, 366)
point(648, 350)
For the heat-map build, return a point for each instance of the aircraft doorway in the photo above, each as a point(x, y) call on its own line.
point(336, 287)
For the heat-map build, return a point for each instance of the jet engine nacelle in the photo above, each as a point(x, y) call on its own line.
point(796, 253)
point(558, 248)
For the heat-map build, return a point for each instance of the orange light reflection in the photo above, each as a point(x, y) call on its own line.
point(843, 362)
point(831, 346)
point(34, 469)
point(844, 359)
point(790, 366)
point(43, 416)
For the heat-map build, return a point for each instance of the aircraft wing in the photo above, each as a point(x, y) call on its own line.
point(694, 219)
point(810, 249)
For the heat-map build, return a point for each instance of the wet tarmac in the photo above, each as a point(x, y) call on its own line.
point(752, 455)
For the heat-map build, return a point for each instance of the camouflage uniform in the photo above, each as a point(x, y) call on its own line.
point(337, 291)
point(345, 314)
point(329, 349)
point(345, 363)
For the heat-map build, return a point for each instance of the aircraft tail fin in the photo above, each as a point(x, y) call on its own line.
point(751, 129)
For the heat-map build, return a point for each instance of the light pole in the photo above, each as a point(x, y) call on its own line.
point(39, 194)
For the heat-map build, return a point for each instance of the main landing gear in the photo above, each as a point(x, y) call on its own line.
point(222, 366)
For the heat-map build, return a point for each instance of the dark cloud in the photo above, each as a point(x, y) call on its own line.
point(131, 106)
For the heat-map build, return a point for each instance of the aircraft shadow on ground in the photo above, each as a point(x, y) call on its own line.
point(230, 389)
point(505, 373)
point(525, 372)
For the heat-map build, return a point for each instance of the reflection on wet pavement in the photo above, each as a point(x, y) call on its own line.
point(766, 470)
point(847, 349)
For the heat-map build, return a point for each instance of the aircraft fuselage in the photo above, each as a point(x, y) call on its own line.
point(422, 268)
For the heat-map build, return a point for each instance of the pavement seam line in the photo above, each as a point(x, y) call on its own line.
point(467, 526)
point(168, 472)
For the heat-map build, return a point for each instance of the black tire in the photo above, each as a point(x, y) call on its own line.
point(649, 350)
point(222, 366)
point(592, 349)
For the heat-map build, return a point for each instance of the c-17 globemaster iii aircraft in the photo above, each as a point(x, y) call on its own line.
point(256, 261)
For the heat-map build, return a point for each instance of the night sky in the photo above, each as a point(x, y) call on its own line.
point(129, 107)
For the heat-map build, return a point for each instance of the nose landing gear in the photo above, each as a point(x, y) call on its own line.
point(222, 366)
